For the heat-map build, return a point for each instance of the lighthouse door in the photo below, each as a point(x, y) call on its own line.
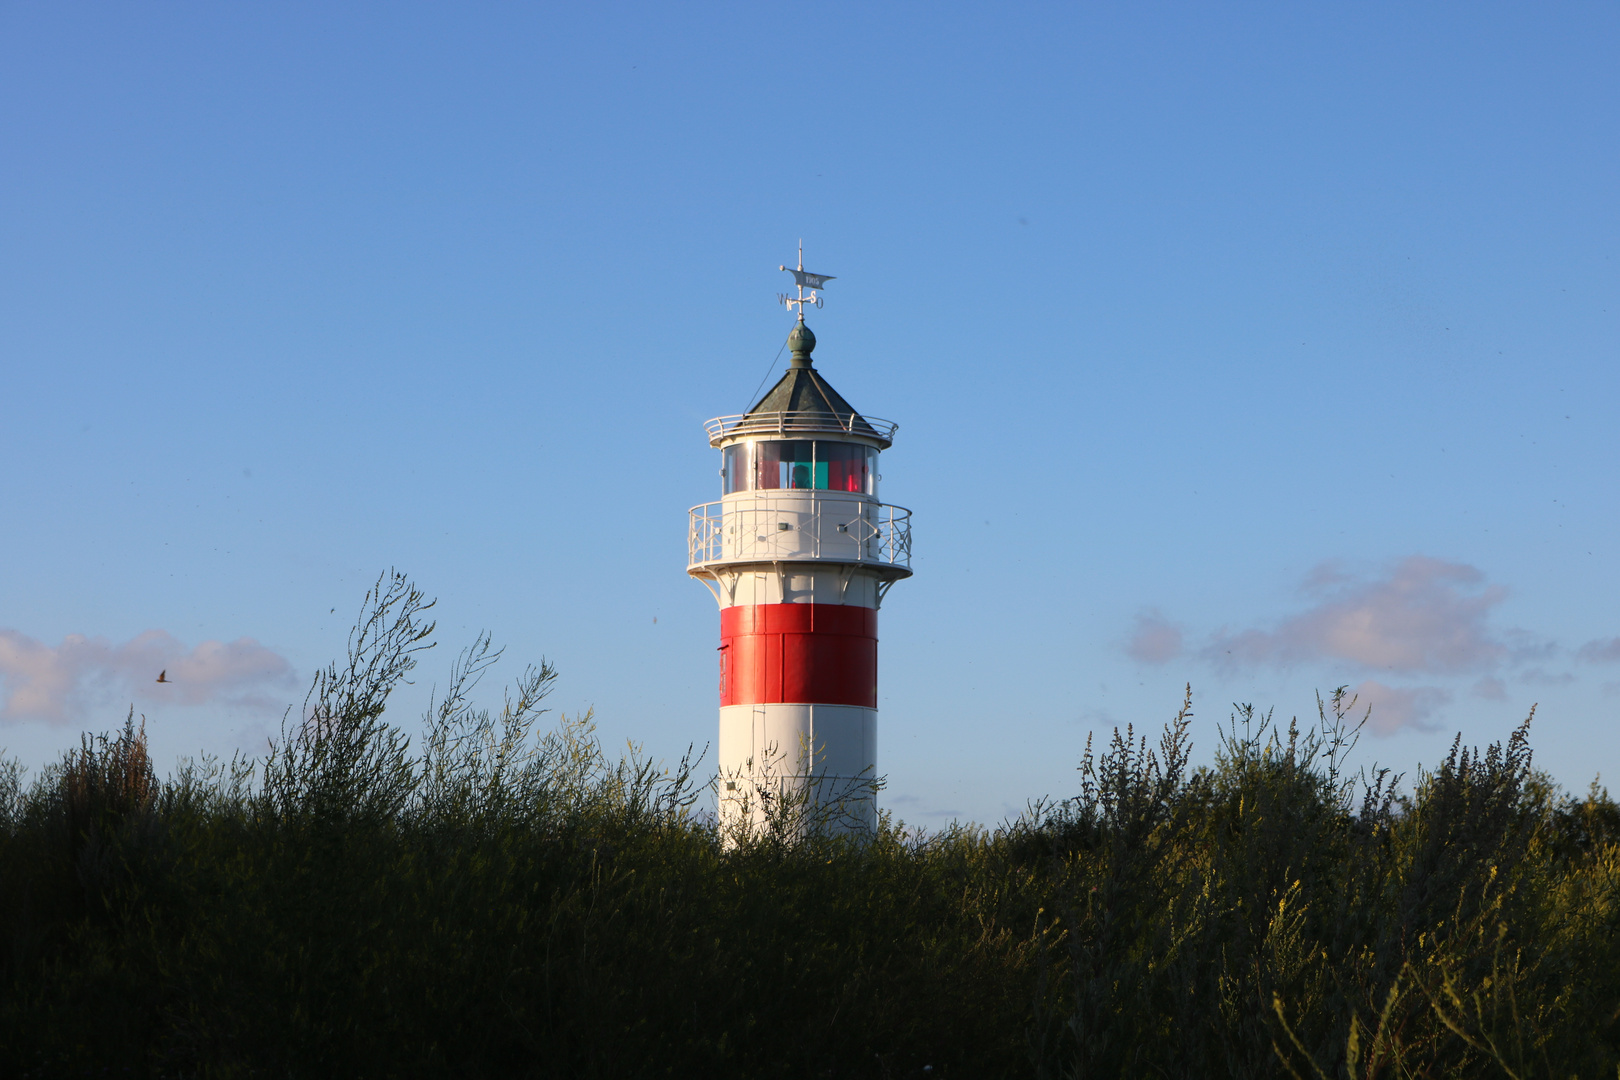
point(762, 749)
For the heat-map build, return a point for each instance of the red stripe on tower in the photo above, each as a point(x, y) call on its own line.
point(811, 653)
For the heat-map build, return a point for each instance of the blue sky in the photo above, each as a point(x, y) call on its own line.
point(1268, 348)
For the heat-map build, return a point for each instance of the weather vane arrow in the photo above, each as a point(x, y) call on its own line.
point(804, 281)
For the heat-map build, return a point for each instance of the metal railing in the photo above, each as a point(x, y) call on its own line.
point(799, 422)
point(747, 532)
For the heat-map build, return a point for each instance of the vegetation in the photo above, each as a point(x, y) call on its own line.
point(510, 901)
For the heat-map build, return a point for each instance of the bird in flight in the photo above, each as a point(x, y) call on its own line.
point(163, 676)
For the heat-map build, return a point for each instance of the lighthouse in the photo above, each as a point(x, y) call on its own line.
point(799, 552)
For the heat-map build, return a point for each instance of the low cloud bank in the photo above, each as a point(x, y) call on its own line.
point(1600, 652)
point(1423, 616)
point(69, 682)
point(1420, 617)
point(1156, 640)
point(1397, 708)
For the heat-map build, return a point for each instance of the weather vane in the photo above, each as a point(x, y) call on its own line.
point(804, 281)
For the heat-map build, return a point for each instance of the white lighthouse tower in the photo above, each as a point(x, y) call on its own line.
point(799, 552)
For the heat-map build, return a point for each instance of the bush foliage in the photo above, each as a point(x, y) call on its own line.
point(511, 901)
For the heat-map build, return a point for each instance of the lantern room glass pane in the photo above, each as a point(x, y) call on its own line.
point(734, 468)
point(786, 464)
point(845, 466)
point(762, 474)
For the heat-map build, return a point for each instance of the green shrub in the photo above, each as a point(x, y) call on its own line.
point(511, 901)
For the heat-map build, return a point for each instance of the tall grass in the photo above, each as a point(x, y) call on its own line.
point(511, 900)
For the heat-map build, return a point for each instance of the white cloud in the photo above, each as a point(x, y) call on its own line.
point(1396, 708)
point(917, 808)
point(1423, 615)
point(1538, 677)
point(1097, 719)
point(62, 684)
point(1600, 652)
point(1156, 640)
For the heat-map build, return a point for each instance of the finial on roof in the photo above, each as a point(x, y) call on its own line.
point(802, 343)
